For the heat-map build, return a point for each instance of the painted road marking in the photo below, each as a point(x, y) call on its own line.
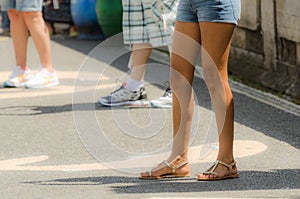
point(244, 148)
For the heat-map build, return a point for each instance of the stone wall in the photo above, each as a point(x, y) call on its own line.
point(266, 45)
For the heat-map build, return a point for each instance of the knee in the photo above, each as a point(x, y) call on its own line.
point(175, 80)
point(178, 82)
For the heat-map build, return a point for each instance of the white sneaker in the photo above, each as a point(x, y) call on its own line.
point(164, 101)
point(43, 79)
point(18, 78)
point(125, 97)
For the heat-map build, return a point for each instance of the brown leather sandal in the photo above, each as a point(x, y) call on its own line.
point(172, 174)
point(211, 171)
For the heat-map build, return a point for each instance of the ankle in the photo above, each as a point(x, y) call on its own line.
point(133, 84)
point(177, 159)
point(227, 160)
point(50, 69)
point(25, 68)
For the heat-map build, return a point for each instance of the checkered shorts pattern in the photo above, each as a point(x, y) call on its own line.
point(139, 25)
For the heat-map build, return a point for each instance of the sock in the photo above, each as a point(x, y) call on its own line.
point(133, 84)
point(49, 69)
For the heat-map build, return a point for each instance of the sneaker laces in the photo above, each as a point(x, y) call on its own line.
point(121, 93)
point(124, 92)
point(117, 90)
point(168, 92)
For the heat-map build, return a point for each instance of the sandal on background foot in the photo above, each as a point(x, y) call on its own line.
point(211, 171)
point(168, 171)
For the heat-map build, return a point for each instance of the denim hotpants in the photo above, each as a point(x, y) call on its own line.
point(225, 11)
point(22, 5)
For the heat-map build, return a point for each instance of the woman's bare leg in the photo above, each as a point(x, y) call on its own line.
point(183, 60)
point(216, 41)
point(40, 36)
point(184, 54)
point(19, 34)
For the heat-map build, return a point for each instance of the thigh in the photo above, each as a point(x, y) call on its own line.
point(29, 5)
point(216, 39)
point(185, 49)
point(7, 4)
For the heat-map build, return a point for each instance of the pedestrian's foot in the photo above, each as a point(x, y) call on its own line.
point(164, 101)
point(5, 32)
point(50, 28)
point(43, 79)
point(125, 97)
point(18, 78)
point(176, 168)
point(219, 171)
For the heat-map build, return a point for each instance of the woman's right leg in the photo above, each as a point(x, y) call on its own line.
point(185, 51)
point(19, 34)
point(40, 35)
point(184, 55)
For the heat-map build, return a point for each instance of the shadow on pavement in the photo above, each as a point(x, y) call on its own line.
point(83, 46)
point(41, 110)
point(249, 180)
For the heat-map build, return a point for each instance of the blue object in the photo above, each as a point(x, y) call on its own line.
point(85, 19)
point(5, 21)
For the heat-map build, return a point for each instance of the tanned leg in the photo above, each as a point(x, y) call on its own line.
point(40, 36)
point(19, 34)
point(216, 41)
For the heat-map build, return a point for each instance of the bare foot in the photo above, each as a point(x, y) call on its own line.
point(219, 171)
point(176, 168)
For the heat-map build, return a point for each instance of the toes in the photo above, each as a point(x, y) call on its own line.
point(203, 176)
point(145, 174)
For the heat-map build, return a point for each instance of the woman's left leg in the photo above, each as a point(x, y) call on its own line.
point(216, 40)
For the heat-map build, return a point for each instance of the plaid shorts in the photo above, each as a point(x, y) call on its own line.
point(139, 24)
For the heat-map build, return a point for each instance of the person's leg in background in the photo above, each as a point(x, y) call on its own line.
point(132, 92)
point(73, 30)
point(50, 27)
point(27, 16)
point(19, 33)
point(5, 23)
point(40, 35)
point(33, 18)
point(142, 33)
point(139, 59)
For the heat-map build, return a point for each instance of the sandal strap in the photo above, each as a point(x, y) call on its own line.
point(212, 169)
point(174, 168)
point(229, 166)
